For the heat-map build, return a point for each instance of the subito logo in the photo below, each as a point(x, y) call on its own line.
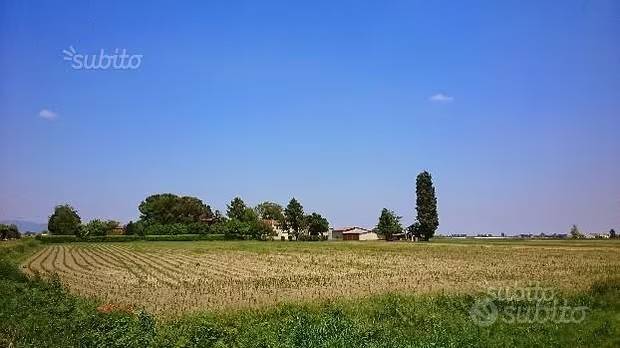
point(483, 312)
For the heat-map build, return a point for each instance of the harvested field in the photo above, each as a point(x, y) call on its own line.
point(177, 277)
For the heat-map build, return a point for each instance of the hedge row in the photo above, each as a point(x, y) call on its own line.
point(175, 229)
point(123, 238)
point(185, 237)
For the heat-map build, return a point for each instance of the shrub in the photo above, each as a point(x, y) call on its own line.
point(56, 238)
point(219, 227)
point(99, 228)
point(168, 229)
point(186, 237)
point(236, 229)
point(125, 238)
point(198, 228)
point(69, 239)
point(134, 228)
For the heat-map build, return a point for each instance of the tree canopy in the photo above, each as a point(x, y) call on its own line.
point(64, 221)
point(270, 211)
point(389, 224)
point(134, 228)
point(236, 209)
point(575, 233)
point(316, 224)
point(414, 230)
point(98, 227)
point(9, 232)
point(168, 208)
point(294, 219)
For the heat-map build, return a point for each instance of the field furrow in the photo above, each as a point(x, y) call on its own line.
point(172, 280)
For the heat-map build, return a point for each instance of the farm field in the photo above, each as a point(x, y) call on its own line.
point(173, 278)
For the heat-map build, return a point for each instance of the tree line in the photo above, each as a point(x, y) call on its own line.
point(170, 214)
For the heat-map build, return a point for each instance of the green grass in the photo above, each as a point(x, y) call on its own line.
point(37, 313)
point(19, 250)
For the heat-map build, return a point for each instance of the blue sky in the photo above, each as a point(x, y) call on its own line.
point(330, 102)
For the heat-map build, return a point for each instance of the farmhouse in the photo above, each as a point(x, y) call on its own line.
point(344, 233)
point(118, 230)
point(354, 233)
point(280, 233)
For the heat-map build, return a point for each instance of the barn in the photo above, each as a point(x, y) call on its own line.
point(355, 233)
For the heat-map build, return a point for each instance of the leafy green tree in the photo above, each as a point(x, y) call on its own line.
point(261, 230)
point(94, 227)
point(426, 205)
point(218, 217)
point(14, 232)
point(9, 232)
point(64, 221)
point(236, 209)
point(131, 228)
point(4, 232)
point(208, 215)
point(414, 230)
point(389, 224)
point(316, 224)
point(158, 209)
point(294, 218)
point(575, 233)
point(612, 234)
point(270, 211)
point(235, 229)
point(191, 209)
point(242, 224)
point(168, 208)
point(249, 215)
point(98, 227)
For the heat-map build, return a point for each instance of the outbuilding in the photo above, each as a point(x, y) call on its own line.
point(355, 233)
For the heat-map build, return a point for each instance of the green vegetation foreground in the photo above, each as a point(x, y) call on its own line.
point(39, 313)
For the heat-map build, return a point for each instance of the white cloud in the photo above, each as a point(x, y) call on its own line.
point(441, 98)
point(48, 114)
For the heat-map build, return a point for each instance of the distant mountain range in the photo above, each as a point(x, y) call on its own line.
point(26, 226)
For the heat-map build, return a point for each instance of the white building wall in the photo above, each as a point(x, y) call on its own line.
point(369, 236)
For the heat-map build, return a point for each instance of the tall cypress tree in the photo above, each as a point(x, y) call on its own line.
point(426, 205)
